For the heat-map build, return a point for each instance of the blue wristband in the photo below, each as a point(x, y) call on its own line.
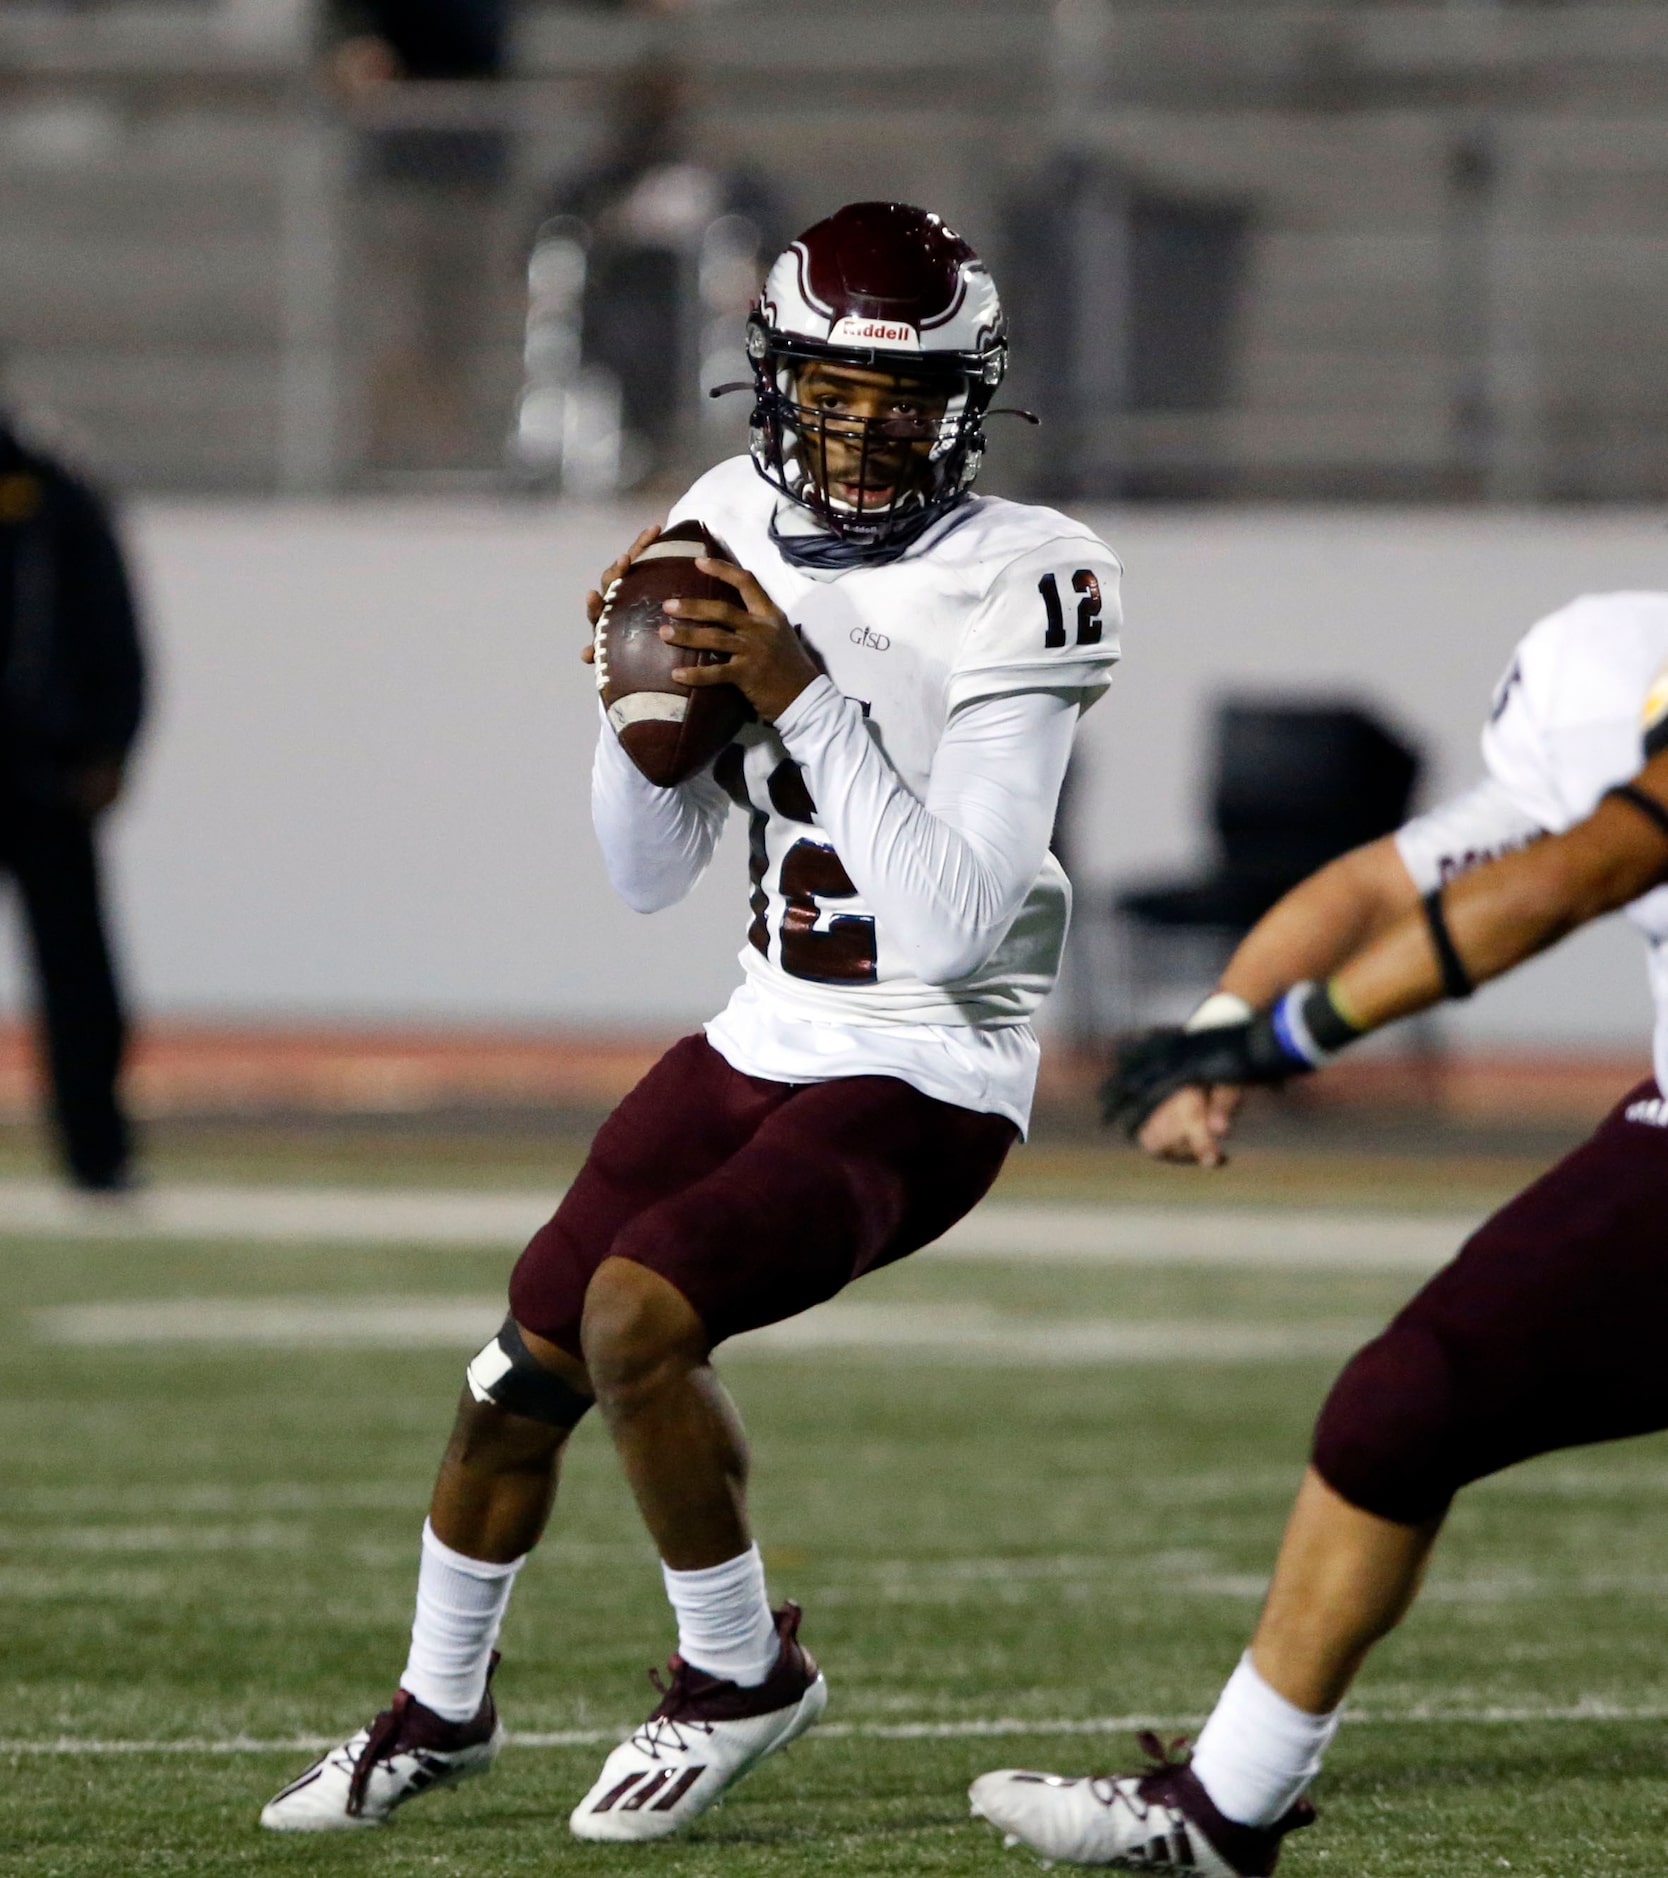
point(1292, 1032)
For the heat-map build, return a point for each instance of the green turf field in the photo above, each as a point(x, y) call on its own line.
point(209, 1549)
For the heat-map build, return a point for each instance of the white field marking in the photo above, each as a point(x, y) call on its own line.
point(993, 1728)
point(280, 1496)
point(280, 1215)
point(22, 1584)
point(1288, 1237)
point(970, 1333)
point(321, 1323)
point(1075, 1232)
point(1483, 1588)
point(978, 1334)
point(266, 1536)
point(1566, 1482)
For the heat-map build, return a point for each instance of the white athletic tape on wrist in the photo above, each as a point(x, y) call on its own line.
point(1220, 1009)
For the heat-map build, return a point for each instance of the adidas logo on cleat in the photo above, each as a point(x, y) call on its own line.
point(646, 1791)
point(703, 1736)
point(1652, 1112)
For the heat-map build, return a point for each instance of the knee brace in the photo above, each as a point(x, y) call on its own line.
point(1386, 1439)
point(510, 1377)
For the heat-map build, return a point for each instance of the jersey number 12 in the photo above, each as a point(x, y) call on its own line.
point(1084, 584)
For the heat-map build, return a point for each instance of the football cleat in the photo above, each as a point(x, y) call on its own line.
point(406, 1751)
point(700, 1741)
point(1162, 1820)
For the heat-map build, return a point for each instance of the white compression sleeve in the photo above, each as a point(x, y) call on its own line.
point(946, 876)
point(656, 843)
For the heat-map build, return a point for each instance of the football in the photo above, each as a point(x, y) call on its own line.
point(669, 731)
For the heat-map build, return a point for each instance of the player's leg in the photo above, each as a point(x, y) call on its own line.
point(678, 1435)
point(1544, 1333)
point(842, 1177)
point(82, 1023)
point(1342, 1582)
point(497, 1478)
point(491, 1500)
point(497, 1482)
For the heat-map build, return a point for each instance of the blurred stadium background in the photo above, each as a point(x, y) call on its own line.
point(1346, 321)
point(379, 415)
point(1348, 325)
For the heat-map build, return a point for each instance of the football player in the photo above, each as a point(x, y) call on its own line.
point(918, 658)
point(1545, 1331)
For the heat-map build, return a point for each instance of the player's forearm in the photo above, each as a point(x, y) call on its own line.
point(945, 885)
point(1505, 912)
point(1322, 922)
point(656, 843)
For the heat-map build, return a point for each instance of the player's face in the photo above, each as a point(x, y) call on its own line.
point(867, 434)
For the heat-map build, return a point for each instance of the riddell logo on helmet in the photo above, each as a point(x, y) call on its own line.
point(898, 335)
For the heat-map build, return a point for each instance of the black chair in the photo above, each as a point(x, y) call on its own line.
point(1297, 784)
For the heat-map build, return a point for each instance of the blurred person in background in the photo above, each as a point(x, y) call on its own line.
point(72, 683)
point(647, 207)
point(432, 179)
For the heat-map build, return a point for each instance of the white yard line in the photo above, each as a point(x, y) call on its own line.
point(1128, 1235)
point(994, 1728)
point(495, 1222)
point(279, 1215)
point(965, 1333)
point(305, 1323)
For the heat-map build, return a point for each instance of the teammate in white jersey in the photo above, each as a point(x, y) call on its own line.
point(918, 658)
point(1545, 1332)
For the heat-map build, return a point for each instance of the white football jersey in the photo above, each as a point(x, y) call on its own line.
point(1583, 700)
point(999, 597)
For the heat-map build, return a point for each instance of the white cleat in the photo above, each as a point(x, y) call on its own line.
point(408, 1750)
point(1159, 1821)
point(700, 1741)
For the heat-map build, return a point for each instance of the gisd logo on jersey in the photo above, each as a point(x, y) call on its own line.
point(1654, 722)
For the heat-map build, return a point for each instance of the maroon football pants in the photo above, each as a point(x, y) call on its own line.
point(1549, 1330)
point(756, 1199)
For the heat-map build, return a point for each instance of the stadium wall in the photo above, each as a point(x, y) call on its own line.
point(363, 795)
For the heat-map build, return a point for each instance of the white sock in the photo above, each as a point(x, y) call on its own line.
point(1258, 1752)
point(724, 1621)
point(460, 1609)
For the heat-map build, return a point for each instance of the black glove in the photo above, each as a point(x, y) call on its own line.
point(1152, 1065)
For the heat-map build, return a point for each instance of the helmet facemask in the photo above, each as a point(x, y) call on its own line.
point(917, 462)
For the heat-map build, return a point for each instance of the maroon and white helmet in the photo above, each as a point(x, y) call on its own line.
point(884, 287)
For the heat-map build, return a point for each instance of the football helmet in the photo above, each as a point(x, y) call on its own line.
point(878, 287)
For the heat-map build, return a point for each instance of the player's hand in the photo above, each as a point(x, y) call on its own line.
point(1153, 1065)
point(1191, 1126)
point(595, 601)
point(769, 663)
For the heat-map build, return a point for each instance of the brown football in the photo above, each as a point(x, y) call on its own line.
point(669, 730)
